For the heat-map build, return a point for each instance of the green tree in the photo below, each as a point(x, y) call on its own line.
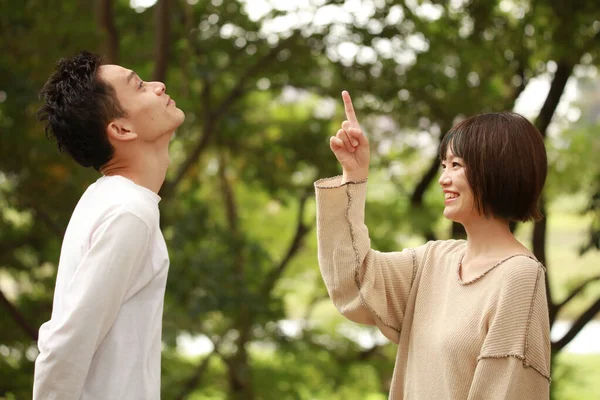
point(237, 210)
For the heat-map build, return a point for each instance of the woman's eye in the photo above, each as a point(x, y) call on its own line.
point(141, 84)
point(455, 164)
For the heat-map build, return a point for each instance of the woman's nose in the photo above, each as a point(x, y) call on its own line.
point(444, 179)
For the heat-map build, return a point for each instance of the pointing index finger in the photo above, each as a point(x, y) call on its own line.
point(349, 108)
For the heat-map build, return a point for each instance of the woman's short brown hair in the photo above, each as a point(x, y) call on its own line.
point(506, 163)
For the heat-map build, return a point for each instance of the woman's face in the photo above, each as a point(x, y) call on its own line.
point(458, 196)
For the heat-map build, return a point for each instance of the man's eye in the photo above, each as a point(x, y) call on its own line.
point(141, 84)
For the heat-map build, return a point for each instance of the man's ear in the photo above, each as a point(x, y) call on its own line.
point(121, 130)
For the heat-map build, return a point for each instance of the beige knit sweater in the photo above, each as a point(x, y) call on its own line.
point(488, 338)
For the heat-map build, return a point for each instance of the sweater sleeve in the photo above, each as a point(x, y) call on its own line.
point(365, 285)
point(515, 359)
point(94, 295)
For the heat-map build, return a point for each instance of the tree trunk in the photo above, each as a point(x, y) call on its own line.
point(458, 231)
point(161, 38)
point(106, 22)
point(539, 234)
point(542, 122)
point(239, 371)
point(557, 88)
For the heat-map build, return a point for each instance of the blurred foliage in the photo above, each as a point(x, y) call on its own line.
point(261, 96)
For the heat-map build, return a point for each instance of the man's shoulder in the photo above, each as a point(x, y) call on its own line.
point(110, 197)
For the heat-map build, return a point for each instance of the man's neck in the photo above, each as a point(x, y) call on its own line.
point(147, 168)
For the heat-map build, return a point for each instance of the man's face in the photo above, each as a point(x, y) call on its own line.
point(150, 112)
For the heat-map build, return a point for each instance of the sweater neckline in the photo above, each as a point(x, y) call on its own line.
point(477, 278)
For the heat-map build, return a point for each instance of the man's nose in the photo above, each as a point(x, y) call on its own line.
point(159, 88)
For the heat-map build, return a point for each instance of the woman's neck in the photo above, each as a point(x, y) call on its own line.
point(491, 238)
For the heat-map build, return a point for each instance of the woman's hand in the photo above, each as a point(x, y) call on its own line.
point(351, 146)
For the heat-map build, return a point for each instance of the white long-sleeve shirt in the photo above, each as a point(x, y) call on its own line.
point(103, 340)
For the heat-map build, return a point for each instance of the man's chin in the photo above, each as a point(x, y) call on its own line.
point(182, 116)
point(164, 138)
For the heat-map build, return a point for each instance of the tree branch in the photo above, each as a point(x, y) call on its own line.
point(228, 197)
point(522, 56)
point(542, 122)
point(519, 89)
point(311, 306)
point(188, 23)
point(416, 199)
point(590, 44)
point(577, 326)
point(240, 381)
point(168, 187)
point(18, 317)
point(360, 355)
point(239, 87)
point(161, 39)
point(193, 382)
point(561, 76)
point(593, 208)
point(107, 26)
point(552, 309)
point(214, 117)
point(577, 290)
point(539, 233)
point(559, 82)
point(44, 217)
point(301, 230)
point(365, 355)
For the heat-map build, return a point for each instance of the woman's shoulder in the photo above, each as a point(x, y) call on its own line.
point(446, 248)
point(440, 252)
point(521, 266)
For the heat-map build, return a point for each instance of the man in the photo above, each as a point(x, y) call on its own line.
point(103, 340)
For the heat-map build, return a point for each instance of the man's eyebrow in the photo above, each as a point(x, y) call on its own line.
point(131, 75)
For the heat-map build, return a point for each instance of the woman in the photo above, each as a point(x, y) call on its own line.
point(470, 317)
